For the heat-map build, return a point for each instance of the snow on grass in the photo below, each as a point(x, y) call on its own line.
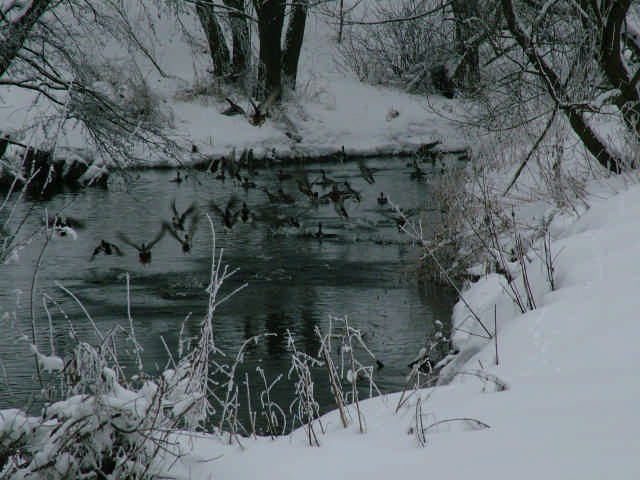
point(570, 367)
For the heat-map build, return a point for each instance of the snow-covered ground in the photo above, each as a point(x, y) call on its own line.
point(329, 110)
point(569, 409)
point(570, 369)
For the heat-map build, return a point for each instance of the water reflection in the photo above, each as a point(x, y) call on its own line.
point(295, 281)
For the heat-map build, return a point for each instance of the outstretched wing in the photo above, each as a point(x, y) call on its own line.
point(216, 209)
point(158, 237)
point(124, 239)
point(193, 227)
point(188, 211)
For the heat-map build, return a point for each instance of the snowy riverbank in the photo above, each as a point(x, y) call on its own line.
point(569, 409)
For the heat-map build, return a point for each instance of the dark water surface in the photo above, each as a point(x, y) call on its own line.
point(295, 281)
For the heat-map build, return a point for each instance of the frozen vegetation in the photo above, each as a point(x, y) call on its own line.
point(544, 384)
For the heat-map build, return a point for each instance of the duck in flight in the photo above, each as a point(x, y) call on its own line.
point(185, 239)
point(231, 212)
point(107, 248)
point(366, 172)
point(178, 219)
point(337, 198)
point(144, 249)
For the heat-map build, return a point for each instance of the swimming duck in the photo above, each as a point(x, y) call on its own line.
point(417, 173)
point(319, 234)
point(382, 199)
point(107, 248)
point(178, 219)
point(144, 249)
point(245, 214)
point(247, 184)
point(177, 178)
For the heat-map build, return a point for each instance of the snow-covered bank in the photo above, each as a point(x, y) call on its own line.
point(570, 366)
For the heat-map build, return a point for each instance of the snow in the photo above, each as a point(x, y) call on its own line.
point(570, 407)
point(570, 367)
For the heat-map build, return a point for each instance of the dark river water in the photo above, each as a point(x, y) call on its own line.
point(362, 269)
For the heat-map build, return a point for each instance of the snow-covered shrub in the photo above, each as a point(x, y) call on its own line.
point(409, 53)
point(117, 433)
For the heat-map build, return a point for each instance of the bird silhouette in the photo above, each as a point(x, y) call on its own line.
point(144, 249)
point(230, 214)
point(366, 172)
point(302, 180)
point(417, 173)
point(177, 178)
point(185, 239)
point(62, 225)
point(324, 180)
point(178, 219)
point(337, 198)
point(350, 192)
point(382, 199)
point(107, 248)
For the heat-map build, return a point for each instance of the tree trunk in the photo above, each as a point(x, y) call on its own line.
point(241, 37)
point(17, 32)
point(613, 65)
point(217, 46)
point(270, 21)
point(587, 135)
point(293, 42)
point(466, 14)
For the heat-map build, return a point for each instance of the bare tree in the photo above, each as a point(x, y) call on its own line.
point(215, 38)
point(15, 32)
point(293, 42)
point(241, 37)
point(50, 49)
point(549, 48)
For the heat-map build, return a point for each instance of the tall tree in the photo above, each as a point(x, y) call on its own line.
point(215, 38)
point(467, 42)
point(240, 37)
point(293, 42)
point(541, 48)
point(15, 33)
point(270, 22)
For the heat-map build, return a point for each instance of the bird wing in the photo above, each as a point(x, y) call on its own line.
point(216, 209)
point(171, 231)
point(158, 237)
point(193, 226)
point(124, 239)
point(188, 211)
point(116, 249)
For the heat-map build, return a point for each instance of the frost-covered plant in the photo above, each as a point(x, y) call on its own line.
point(304, 408)
point(351, 351)
point(270, 411)
point(109, 426)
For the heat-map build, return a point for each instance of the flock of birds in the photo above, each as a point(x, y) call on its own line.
point(282, 209)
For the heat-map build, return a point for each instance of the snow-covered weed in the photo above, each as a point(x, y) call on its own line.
point(304, 408)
